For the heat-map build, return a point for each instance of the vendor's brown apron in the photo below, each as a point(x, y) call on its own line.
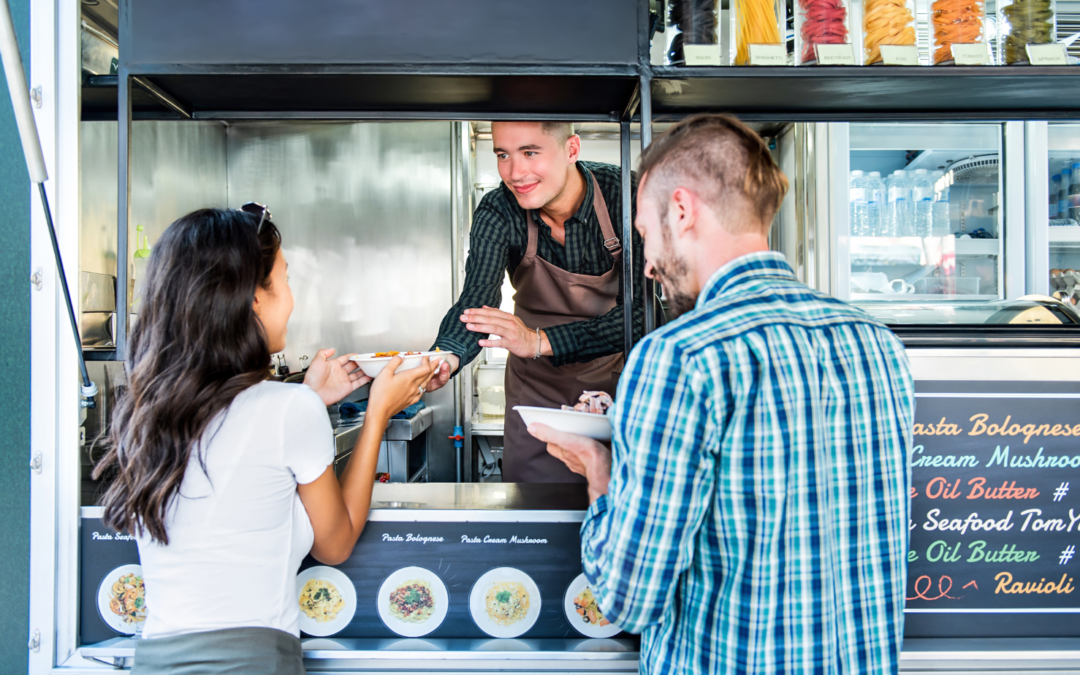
point(547, 296)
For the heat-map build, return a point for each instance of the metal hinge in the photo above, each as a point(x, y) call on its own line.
point(35, 642)
point(35, 463)
point(35, 96)
point(36, 279)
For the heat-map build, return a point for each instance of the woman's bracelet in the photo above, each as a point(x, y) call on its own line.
point(537, 344)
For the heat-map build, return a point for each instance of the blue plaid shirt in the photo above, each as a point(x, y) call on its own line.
point(757, 514)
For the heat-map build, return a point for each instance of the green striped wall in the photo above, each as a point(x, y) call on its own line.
point(14, 374)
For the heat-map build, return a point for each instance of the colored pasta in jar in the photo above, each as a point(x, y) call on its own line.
point(1031, 22)
point(696, 21)
point(955, 22)
point(757, 25)
point(886, 22)
point(824, 22)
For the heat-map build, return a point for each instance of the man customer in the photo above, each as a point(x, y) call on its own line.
point(752, 513)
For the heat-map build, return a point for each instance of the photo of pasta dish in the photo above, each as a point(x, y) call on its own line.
point(412, 602)
point(127, 598)
point(321, 600)
point(587, 608)
point(506, 602)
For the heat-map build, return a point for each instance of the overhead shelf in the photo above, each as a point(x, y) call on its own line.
point(868, 92)
point(99, 101)
point(595, 93)
point(579, 94)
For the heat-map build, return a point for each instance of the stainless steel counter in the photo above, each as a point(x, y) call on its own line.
point(430, 655)
point(481, 497)
point(394, 449)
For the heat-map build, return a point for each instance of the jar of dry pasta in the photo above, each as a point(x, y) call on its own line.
point(887, 22)
point(827, 23)
point(1023, 23)
point(697, 40)
point(961, 23)
point(756, 30)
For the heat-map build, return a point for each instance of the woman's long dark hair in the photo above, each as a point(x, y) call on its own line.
point(196, 345)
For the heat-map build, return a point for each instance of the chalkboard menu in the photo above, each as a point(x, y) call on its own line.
point(995, 511)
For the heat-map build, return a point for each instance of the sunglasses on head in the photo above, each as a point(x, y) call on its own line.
point(257, 209)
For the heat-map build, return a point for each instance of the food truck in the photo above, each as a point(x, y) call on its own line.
point(937, 194)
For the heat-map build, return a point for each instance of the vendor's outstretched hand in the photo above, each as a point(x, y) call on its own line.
point(513, 334)
point(449, 364)
point(394, 391)
point(582, 455)
point(334, 379)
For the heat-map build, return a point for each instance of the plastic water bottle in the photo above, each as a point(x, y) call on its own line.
point(875, 197)
point(1063, 192)
point(1074, 194)
point(858, 205)
point(940, 224)
point(1055, 190)
point(898, 194)
point(922, 197)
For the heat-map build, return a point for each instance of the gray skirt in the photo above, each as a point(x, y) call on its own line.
point(233, 651)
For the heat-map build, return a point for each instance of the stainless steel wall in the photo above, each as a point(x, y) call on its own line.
point(176, 167)
point(365, 212)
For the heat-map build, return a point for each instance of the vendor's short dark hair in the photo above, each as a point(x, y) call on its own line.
point(561, 131)
point(726, 163)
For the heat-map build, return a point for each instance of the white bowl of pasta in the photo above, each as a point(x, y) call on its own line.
point(122, 599)
point(413, 601)
point(372, 364)
point(505, 602)
point(583, 611)
point(327, 600)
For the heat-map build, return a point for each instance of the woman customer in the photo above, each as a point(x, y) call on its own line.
point(226, 478)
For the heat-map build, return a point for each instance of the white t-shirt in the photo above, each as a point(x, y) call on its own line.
point(236, 540)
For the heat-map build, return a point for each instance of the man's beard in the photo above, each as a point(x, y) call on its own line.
point(673, 273)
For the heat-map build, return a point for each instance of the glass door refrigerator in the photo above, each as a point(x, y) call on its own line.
point(1054, 210)
point(927, 225)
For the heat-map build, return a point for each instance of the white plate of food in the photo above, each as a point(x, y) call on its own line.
point(372, 364)
point(505, 602)
point(583, 612)
point(571, 421)
point(122, 599)
point(413, 601)
point(327, 600)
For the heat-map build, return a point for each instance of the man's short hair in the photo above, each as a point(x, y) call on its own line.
point(721, 160)
point(560, 131)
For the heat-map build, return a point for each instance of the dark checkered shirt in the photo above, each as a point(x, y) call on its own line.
point(498, 242)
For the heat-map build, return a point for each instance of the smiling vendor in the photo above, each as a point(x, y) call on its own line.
point(550, 225)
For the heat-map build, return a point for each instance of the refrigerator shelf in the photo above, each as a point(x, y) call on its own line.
point(978, 247)
point(912, 250)
point(1064, 237)
point(920, 297)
